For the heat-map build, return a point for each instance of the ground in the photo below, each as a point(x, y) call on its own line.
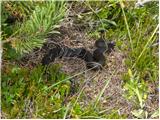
point(93, 81)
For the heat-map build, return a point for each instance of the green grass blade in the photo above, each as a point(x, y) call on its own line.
point(127, 26)
point(67, 109)
point(102, 91)
point(145, 47)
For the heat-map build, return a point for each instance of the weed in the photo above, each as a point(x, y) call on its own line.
point(23, 90)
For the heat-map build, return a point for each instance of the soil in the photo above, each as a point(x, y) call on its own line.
point(112, 97)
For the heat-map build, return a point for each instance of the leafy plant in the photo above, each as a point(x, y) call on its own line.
point(140, 113)
point(24, 90)
point(44, 19)
point(141, 61)
point(135, 88)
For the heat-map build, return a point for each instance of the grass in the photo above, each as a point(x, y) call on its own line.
point(28, 86)
point(35, 93)
point(126, 23)
point(102, 91)
point(146, 45)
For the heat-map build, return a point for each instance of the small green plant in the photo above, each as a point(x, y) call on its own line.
point(135, 88)
point(23, 90)
point(31, 33)
point(141, 61)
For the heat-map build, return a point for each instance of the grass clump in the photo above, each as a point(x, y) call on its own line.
point(24, 94)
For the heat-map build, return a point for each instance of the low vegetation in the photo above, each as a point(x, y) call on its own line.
point(34, 91)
